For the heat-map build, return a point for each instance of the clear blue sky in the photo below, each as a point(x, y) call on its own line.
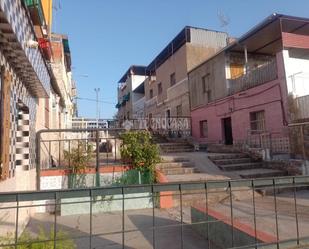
point(107, 36)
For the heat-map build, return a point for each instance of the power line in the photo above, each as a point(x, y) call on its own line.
point(94, 100)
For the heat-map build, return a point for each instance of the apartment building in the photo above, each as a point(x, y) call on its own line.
point(89, 123)
point(257, 83)
point(25, 77)
point(166, 88)
point(131, 93)
point(37, 89)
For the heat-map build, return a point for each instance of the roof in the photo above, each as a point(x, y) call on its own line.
point(180, 39)
point(265, 36)
point(135, 70)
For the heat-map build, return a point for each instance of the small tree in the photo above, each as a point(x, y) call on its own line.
point(78, 158)
point(138, 150)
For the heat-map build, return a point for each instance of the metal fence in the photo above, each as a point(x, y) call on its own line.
point(302, 104)
point(299, 140)
point(275, 142)
point(259, 213)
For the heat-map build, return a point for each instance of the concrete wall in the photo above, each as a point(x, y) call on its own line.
point(297, 73)
point(23, 181)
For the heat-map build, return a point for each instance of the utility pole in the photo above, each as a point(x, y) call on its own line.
point(97, 90)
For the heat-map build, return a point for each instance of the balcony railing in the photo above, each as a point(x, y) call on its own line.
point(262, 213)
point(36, 11)
point(255, 77)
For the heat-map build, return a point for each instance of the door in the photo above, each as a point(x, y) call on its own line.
point(168, 118)
point(227, 131)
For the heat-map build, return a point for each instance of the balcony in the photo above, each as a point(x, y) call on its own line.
point(36, 12)
point(254, 77)
point(28, 63)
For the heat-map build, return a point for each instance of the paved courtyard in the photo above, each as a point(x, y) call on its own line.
point(167, 233)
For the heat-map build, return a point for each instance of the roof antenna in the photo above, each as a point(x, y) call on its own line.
point(224, 20)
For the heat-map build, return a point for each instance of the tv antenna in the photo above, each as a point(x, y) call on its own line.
point(224, 20)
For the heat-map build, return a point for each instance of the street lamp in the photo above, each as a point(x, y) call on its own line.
point(97, 90)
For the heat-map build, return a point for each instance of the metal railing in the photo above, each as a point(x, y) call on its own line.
point(302, 104)
point(254, 77)
point(275, 142)
point(299, 139)
point(259, 213)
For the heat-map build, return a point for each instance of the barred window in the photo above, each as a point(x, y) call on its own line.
point(257, 121)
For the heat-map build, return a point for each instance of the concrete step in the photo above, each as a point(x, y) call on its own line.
point(261, 173)
point(240, 166)
point(227, 156)
point(177, 150)
point(232, 161)
point(166, 159)
point(174, 144)
point(170, 165)
point(178, 171)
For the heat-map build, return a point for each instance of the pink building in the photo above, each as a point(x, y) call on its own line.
point(259, 84)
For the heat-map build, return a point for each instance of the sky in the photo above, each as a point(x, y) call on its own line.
point(107, 36)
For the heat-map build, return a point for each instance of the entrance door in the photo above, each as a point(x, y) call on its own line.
point(227, 129)
point(168, 118)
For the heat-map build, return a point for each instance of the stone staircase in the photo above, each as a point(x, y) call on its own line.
point(172, 146)
point(176, 166)
point(244, 166)
point(176, 147)
point(180, 168)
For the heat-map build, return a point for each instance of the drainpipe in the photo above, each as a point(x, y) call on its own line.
point(246, 58)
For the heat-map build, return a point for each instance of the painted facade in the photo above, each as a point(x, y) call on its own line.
point(252, 85)
point(131, 93)
point(31, 88)
point(166, 90)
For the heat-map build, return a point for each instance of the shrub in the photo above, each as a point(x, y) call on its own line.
point(138, 150)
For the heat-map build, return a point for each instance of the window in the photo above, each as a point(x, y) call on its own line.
point(236, 70)
point(257, 121)
point(179, 110)
point(203, 128)
point(160, 88)
point(151, 93)
point(206, 86)
point(173, 79)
